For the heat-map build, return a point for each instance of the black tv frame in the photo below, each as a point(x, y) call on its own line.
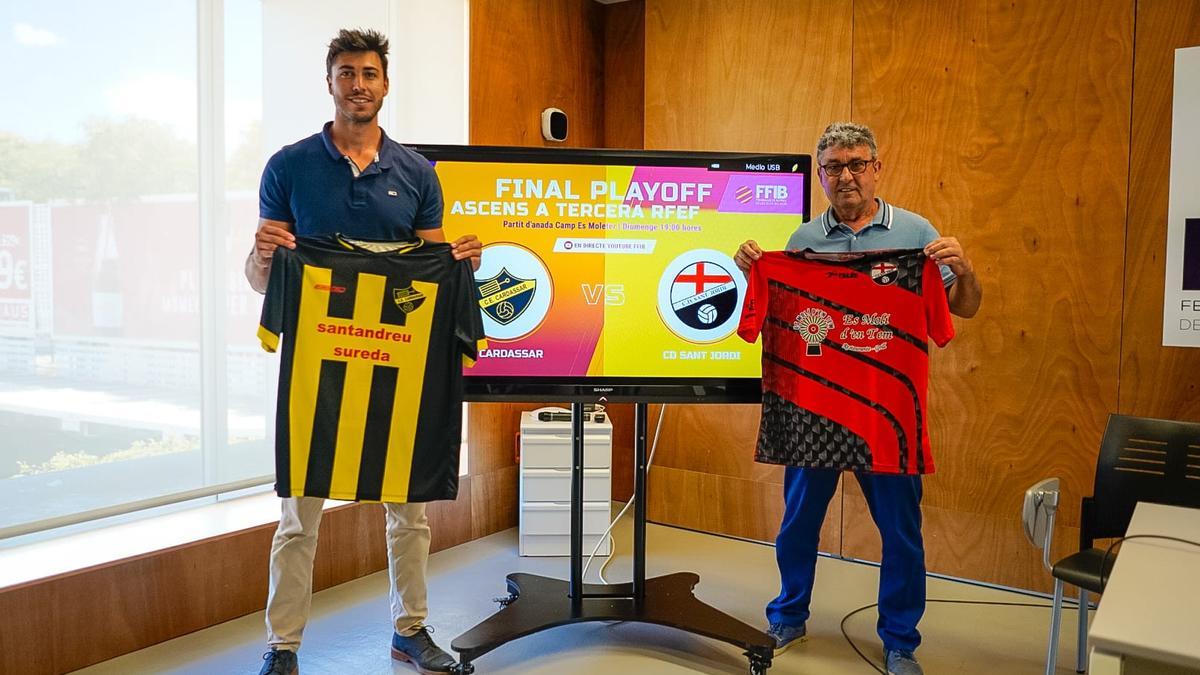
point(532, 388)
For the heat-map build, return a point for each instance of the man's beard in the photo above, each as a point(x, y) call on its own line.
point(360, 117)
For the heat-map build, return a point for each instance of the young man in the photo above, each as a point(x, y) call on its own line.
point(350, 179)
point(856, 220)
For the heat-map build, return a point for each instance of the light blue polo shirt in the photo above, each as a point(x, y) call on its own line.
point(892, 227)
point(311, 184)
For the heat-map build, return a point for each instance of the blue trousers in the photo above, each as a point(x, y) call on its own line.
point(895, 504)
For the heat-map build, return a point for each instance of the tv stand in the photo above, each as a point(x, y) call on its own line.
point(535, 603)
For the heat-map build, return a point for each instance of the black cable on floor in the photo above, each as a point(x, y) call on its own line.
point(864, 608)
point(1103, 562)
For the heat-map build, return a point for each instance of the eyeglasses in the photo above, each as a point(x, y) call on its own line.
point(856, 166)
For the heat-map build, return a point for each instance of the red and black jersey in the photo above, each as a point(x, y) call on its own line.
point(846, 357)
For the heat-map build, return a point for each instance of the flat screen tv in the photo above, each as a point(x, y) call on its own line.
point(607, 275)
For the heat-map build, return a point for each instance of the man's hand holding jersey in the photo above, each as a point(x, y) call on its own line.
point(468, 247)
point(746, 254)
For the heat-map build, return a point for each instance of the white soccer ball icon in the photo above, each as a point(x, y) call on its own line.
point(707, 314)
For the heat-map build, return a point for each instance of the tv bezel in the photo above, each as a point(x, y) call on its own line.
point(532, 388)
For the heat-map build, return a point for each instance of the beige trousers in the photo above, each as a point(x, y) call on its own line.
point(295, 544)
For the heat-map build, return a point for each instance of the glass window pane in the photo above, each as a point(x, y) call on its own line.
point(250, 372)
point(99, 262)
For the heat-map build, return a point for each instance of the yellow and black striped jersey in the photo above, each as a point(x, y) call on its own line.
point(370, 379)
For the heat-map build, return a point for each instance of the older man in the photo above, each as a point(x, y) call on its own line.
point(857, 220)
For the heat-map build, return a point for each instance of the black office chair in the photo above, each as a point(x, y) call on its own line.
point(1141, 460)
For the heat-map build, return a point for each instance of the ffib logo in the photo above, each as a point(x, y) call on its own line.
point(771, 192)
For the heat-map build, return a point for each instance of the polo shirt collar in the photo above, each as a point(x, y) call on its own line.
point(327, 139)
point(385, 156)
point(883, 218)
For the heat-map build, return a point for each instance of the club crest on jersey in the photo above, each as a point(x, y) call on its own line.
point(884, 273)
point(505, 296)
point(813, 325)
point(407, 298)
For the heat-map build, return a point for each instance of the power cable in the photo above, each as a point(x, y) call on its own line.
point(1103, 580)
point(608, 533)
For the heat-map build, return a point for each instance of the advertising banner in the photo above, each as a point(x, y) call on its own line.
point(132, 271)
point(16, 270)
point(1181, 295)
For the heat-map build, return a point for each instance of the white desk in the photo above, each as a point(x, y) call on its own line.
point(1148, 620)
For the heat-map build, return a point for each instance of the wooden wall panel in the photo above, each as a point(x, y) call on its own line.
point(749, 75)
point(1009, 126)
point(727, 505)
point(73, 620)
point(494, 502)
point(528, 55)
point(745, 75)
point(961, 544)
point(624, 74)
point(1156, 381)
point(450, 522)
point(621, 416)
point(714, 439)
point(491, 435)
point(80, 618)
point(989, 117)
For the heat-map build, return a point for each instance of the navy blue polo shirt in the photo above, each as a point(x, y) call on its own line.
point(313, 185)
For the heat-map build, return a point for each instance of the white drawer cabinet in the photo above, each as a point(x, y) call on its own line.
point(551, 485)
point(545, 489)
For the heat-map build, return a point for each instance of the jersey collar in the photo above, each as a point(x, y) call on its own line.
point(379, 247)
point(384, 157)
point(883, 218)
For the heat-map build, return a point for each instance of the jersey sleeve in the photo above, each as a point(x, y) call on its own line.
point(754, 307)
point(468, 329)
point(937, 305)
point(273, 191)
point(429, 212)
point(270, 325)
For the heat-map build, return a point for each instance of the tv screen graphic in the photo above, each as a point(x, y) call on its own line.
point(609, 274)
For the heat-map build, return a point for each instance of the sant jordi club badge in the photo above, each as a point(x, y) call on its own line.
point(884, 273)
point(699, 296)
point(505, 296)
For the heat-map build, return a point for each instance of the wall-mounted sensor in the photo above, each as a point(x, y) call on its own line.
point(554, 125)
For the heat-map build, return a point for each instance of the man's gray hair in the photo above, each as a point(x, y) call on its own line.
point(847, 135)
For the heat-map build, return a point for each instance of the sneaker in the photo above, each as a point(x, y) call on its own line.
point(900, 662)
point(280, 662)
point(786, 636)
point(419, 650)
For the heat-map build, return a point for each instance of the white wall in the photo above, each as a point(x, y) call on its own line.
point(429, 71)
point(427, 66)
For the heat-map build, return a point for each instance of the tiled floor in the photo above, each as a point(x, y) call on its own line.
point(350, 629)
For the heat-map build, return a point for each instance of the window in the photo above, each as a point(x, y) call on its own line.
point(105, 258)
point(131, 144)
